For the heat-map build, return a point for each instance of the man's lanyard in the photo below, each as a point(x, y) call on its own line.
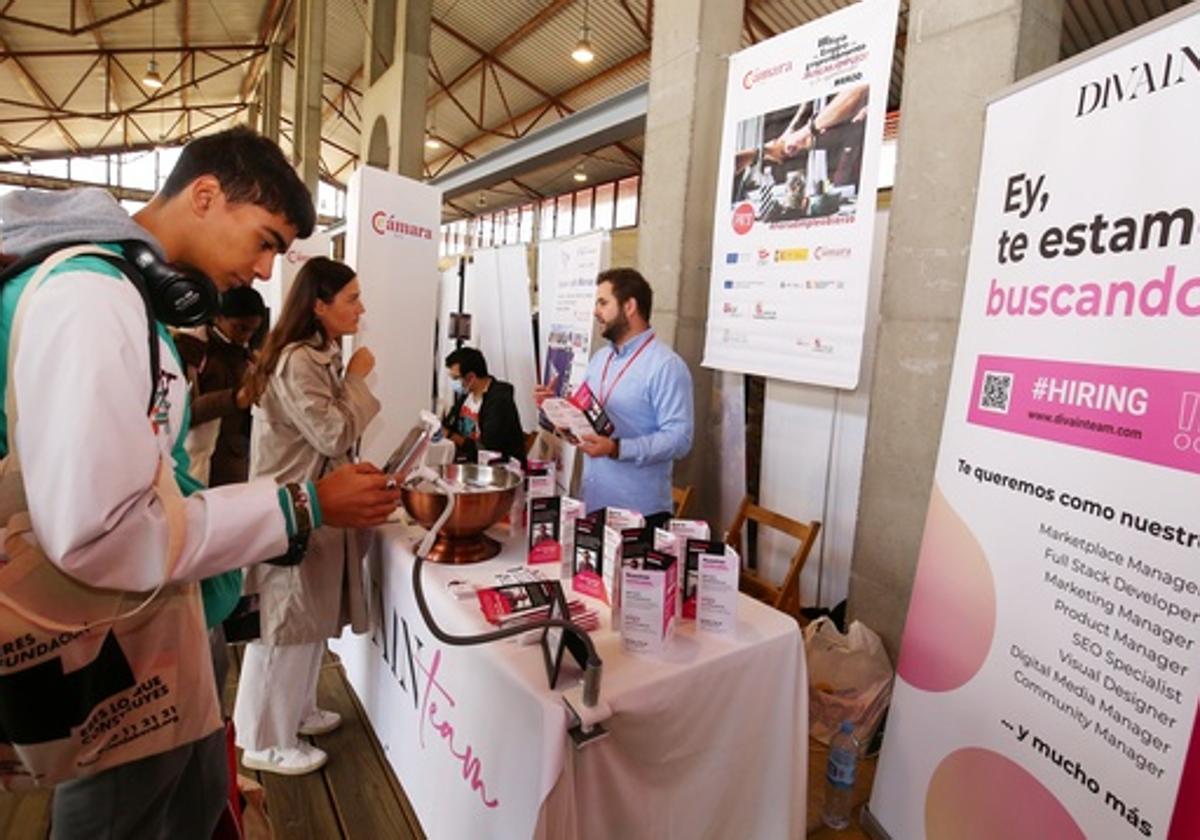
point(604, 395)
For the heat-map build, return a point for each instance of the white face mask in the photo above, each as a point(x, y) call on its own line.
point(456, 385)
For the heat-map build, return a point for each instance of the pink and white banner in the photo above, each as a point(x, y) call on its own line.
point(1048, 677)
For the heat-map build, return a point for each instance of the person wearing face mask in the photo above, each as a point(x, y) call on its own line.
point(646, 391)
point(484, 414)
point(218, 359)
point(309, 414)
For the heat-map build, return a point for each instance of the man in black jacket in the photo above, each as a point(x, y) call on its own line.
point(484, 414)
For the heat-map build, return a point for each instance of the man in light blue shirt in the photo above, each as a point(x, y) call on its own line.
point(646, 390)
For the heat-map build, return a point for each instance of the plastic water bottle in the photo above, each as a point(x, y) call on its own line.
point(839, 778)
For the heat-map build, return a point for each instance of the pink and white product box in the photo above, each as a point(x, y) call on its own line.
point(716, 602)
point(570, 510)
point(648, 601)
point(616, 522)
point(597, 553)
point(545, 530)
point(690, 582)
point(552, 530)
point(539, 479)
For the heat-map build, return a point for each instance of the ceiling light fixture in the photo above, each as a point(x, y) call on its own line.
point(431, 141)
point(583, 47)
point(152, 80)
point(580, 175)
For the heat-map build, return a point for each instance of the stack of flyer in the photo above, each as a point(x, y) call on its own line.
point(517, 604)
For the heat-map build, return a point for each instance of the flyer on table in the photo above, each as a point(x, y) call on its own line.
point(795, 208)
point(1049, 671)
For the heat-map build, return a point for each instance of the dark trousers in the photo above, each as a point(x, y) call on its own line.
point(176, 795)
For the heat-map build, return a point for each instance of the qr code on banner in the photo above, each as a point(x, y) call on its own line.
point(996, 391)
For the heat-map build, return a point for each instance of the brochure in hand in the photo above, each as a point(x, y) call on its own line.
point(578, 415)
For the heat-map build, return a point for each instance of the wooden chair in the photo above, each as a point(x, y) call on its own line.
point(680, 496)
point(786, 596)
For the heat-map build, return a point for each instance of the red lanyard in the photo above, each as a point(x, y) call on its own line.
point(604, 395)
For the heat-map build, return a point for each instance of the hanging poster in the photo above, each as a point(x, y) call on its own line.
point(567, 270)
point(795, 208)
point(1048, 676)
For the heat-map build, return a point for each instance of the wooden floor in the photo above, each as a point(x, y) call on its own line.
point(357, 797)
point(354, 797)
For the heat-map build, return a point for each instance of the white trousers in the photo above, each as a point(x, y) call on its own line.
point(277, 689)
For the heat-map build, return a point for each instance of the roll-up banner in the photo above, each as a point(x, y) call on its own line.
point(391, 241)
point(795, 207)
point(1048, 675)
point(567, 270)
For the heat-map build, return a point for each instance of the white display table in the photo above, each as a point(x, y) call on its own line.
point(708, 739)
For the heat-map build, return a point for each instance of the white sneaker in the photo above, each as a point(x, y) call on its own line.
point(320, 721)
point(292, 761)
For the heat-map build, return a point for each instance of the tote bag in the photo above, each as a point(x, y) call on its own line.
point(92, 678)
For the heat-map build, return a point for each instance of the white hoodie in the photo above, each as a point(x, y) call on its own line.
point(88, 452)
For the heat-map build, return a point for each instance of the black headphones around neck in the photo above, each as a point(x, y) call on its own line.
point(180, 297)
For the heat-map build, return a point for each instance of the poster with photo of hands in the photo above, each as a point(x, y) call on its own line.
point(795, 208)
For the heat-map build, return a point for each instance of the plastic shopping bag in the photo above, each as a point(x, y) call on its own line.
point(849, 678)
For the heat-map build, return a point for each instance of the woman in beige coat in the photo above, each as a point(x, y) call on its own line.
point(308, 418)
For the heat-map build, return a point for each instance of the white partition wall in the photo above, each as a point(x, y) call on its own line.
point(813, 444)
point(275, 288)
point(516, 317)
point(391, 240)
point(496, 296)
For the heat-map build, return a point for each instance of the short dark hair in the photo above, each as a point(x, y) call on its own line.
point(469, 360)
point(242, 302)
point(251, 170)
point(629, 283)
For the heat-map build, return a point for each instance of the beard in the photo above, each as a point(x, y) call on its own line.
point(615, 330)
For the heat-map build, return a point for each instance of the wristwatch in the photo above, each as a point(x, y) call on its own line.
point(297, 542)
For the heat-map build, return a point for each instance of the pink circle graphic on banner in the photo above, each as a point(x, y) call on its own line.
point(743, 218)
point(952, 614)
point(981, 794)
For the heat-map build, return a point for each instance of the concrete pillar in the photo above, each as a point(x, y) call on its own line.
point(688, 65)
point(958, 54)
point(310, 63)
point(397, 85)
point(273, 92)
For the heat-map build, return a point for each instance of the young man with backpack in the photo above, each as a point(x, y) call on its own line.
point(90, 453)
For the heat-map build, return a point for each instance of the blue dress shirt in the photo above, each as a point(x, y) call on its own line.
point(650, 407)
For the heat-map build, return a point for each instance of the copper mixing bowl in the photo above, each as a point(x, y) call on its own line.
point(488, 498)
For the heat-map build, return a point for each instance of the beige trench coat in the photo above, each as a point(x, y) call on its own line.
point(307, 423)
